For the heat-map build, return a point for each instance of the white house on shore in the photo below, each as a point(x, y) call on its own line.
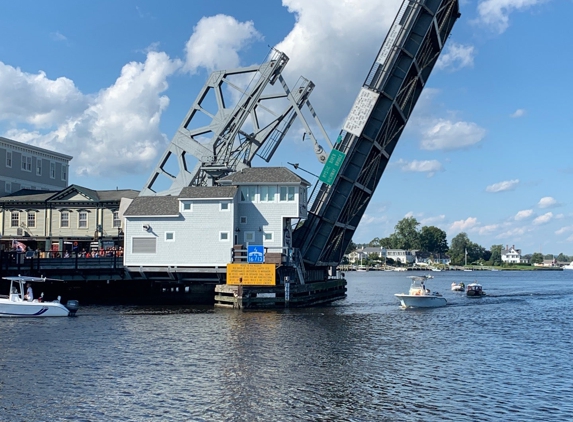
point(511, 255)
point(202, 226)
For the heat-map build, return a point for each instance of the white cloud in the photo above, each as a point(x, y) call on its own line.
point(463, 225)
point(216, 41)
point(495, 13)
point(121, 121)
point(36, 100)
point(456, 56)
point(512, 233)
point(56, 36)
point(503, 186)
point(518, 113)
point(430, 221)
point(547, 202)
point(522, 215)
point(427, 166)
point(543, 219)
point(491, 228)
point(564, 230)
point(326, 47)
point(448, 135)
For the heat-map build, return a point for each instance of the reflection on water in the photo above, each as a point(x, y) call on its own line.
point(502, 357)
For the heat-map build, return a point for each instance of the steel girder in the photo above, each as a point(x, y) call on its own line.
point(395, 82)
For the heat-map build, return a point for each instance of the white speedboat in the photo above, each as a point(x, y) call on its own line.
point(419, 296)
point(17, 305)
point(458, 287)
point(568, 266)
point(474, 290)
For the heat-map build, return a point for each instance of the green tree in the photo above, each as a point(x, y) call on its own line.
point(407, 235)
point(562, 258)
point(375, 242)
point(495, 258)
point(433, 240)
point(350, 248)
point(536, 258)
point(458, 247)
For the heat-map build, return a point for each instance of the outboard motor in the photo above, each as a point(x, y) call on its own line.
point(73, 306)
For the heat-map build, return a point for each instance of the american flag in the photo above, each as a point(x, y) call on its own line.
point(18, 245)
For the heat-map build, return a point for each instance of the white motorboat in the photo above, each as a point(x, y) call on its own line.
point(474, 290)
point(17, 305)
point(419, 296)
point(568, 266)
point(458, 287)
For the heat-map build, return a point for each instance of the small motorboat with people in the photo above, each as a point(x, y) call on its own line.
point(474, 290)
point(419, 296)
point(458, 287)
point(20, 301)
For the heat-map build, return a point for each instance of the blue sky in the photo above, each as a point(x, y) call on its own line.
point(487, 150)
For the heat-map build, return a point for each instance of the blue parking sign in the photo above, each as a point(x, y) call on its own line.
point(255, 254)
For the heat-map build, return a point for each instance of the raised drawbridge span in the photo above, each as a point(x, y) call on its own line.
point(373, 127)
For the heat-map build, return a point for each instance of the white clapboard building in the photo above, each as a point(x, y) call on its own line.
point(203, 225)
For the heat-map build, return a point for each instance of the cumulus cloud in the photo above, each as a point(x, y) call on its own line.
point(495, 13)
point(427, 166)
point(57, 36)
point(522, 215)
point(512, 233)
point(430, 221)
point(547, 202)
point(463, 225)
point(121, 121)
point(518, 113)
point(503, 186)
point(37, 100)
point(543, 219)
point(456, 56)
point(216, 41)
point(449, 135)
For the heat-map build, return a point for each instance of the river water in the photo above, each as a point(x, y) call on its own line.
point(505, 357)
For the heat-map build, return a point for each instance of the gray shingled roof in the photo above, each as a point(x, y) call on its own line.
point(198, 192)
point(153, 205)
point(116, 195)
point(262, 175)
point(28, 195)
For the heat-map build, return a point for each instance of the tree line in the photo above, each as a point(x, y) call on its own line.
point(409, 236)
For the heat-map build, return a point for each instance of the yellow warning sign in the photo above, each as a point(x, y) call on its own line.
point(251, 274)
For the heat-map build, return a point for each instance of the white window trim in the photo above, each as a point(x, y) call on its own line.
point(64, 173)
point(186, 203)
point(228, 239)
point(38, 166)
point(28, 214)
point(243, 219)
point(52, 173)
point(12, 219)
point(26, 165)
point(272, 239)
point(8, 187)
point(275, 194)
point(249, 237)
point(287, 193)
point(68, 220)
point(170, 240)
point(225, 209)
point(86, 220)
point(9, 159)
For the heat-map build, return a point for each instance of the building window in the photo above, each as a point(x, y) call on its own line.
point(116, 219)
point(38, 166)
point(9, 159)
point(15, 219)
point(249, 237)
point(243, 219)
point(8, 187)
point(268, 193)
point(268, 236)
point(31, 219)
point(187, 206)
point(286, 194)
point(52, 170)
point(143, 245)
point(65, 219)
point(248, 193)
point(64, 173)
point(224, 206)
point(224, 236)
point(26, 163)
point(169, 236)
point(83, 220)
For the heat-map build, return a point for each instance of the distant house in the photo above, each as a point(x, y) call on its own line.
point(511, 255)
point(400, 255)
point(365, 252)
point(427, 258)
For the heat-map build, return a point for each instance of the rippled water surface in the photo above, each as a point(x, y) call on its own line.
point(504, 357)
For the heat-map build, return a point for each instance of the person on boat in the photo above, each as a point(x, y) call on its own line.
point(29, 293)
